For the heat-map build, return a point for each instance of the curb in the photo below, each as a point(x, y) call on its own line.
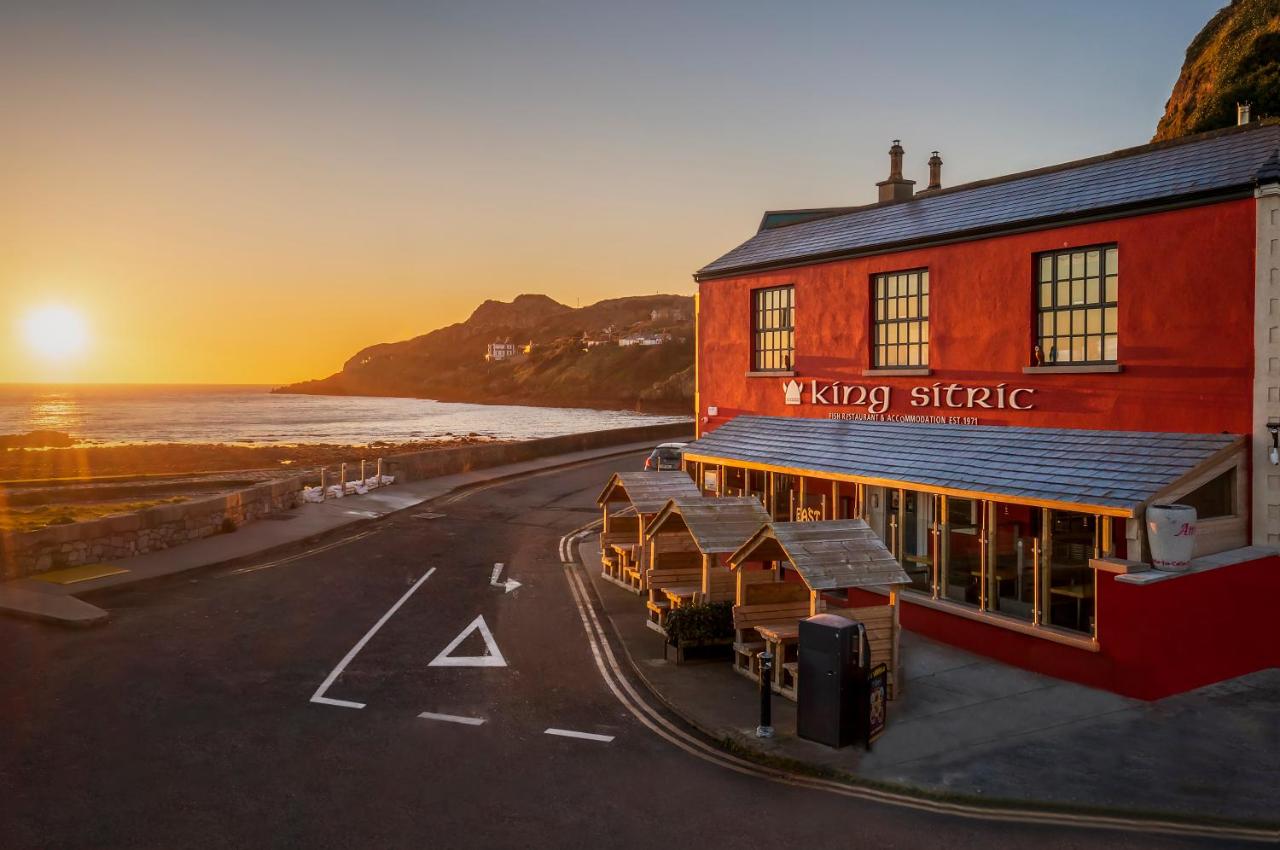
point(737, 745)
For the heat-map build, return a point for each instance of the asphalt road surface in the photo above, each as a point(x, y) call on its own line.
point(207, 713)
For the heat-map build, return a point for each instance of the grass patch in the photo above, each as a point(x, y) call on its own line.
point(17, 521)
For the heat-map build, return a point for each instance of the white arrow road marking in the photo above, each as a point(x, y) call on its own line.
point(586, 736)
point(319, 696)
point(492, 658)
point(452, 718)
point(510, 584)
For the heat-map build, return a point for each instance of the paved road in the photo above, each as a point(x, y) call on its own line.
point(189, 720)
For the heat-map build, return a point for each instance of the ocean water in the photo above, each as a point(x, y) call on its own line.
point(250, 415)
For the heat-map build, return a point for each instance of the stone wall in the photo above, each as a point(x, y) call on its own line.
point(120, 536)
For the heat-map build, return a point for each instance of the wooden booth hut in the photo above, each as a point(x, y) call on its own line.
point(688, 542)
point(628, 502)
point(782, 573)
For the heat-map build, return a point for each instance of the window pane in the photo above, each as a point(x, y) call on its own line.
point(1064, 266)
point(1111, 261)
point(1091, 264)
point(924, 305)
point(1094, 348)
point(1064, 323)
point(1109, 320)
point(924, 331)
point(1077, 265)
point(1113, 287)
point(1077, 349)
point(924, 354)
point(1064, 293)
point(1091, 291)
point(1046, 295)
point(893, 309)
point(1046, 269)
point(1077, 292)
point(1094, 323)
point(924, 281)
point(913, 332)
point(1109, 348)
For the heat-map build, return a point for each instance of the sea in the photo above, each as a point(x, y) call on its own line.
point(251, 415)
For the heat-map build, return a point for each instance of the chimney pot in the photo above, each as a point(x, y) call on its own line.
point(935, 172)
point(1242, 113)
point(896, 188)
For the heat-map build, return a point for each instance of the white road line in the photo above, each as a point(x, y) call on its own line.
point(318, 696)
point(325, 548)
point(611, 673)
point(586, 736)
point(452, 718)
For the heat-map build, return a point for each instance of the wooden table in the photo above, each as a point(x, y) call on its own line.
point(1078, 592)
point(777, 637)
point(678, 594)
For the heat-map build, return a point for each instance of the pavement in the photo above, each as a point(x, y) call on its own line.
point(972, 727)
point(391, 688)
point(58, 603)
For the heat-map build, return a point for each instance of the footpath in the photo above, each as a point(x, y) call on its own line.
point(970, 728)
point(38, 599)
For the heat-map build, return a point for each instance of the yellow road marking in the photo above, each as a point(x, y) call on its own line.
point(73, 575)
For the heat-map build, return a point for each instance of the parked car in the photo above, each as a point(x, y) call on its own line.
point(665, 457)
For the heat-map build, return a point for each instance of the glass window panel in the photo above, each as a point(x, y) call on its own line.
point(913, 284)
point(891, 356)
point(1046, 269)
point(910, 306)
point(1113, 287)
point(1064, 323)
point(1109, 320)
point(1046, 324)
point(879, 287)
point(1057, 354)
point(1091, 287)
point(924, 331)
point(1077, 265)
point(1064, 266)
point(1064, 293)
point(1109, 348)
point(924, 354)
point(1093, 348)
point(1092, 261)
point(1077, 292)
point(924, 305)
point(1046, 295)
point(879, 309)
point(1112, 261)
point(893, 309)
point(1094, 323)
point(1077, 349)
point(913, 332)
point(924, 281)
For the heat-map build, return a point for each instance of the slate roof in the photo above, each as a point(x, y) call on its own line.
point(648, 491)
point(1115, 472)
point(716, 524)
point(1206, 165)
point(832, 555)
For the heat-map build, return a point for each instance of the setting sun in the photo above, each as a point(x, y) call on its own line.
point(55, 331)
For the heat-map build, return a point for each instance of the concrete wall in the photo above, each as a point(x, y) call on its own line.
point(121, 536)
point(428, 464)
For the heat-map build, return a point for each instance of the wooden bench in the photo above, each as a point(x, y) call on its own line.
point(657, 580)
point(746, 643)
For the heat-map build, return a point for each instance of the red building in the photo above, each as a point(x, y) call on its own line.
point(1002, 378)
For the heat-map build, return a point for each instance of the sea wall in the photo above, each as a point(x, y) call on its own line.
point(429, 464)
point(123, 535)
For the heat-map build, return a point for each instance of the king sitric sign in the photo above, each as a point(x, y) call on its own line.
point(878, 398)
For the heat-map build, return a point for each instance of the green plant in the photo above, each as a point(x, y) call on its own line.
point(696, 625)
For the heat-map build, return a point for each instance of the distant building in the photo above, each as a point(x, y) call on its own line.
point(668, 314)
point(644, 339)
point(498, 351)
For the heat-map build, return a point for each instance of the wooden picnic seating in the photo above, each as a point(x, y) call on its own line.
point(629, 501)
point(826, 557)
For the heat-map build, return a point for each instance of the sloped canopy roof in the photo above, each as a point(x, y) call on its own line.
point(1203, 168)
point(648, 491)
point(832, 555)
point(1106, 472)
point(716, 524)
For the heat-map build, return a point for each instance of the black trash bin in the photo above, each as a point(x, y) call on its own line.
point(831, 694)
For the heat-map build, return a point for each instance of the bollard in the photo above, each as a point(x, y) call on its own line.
point(342, 480)
point(323, 470)
point(379, 472)
point(363, 477)
point(765, 729)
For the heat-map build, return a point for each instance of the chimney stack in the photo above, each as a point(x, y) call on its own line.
point(935, 173)
point(896, 188)
point(1242, 113)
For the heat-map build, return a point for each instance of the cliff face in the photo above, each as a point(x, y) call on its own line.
point(1235, 58)
point(448, 364)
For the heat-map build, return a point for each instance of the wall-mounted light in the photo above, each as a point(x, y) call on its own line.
point(712, 410)
point(1273, 428)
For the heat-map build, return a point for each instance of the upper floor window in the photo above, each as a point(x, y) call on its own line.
point(900, 324)
point(1077, 293)
point(773, 316)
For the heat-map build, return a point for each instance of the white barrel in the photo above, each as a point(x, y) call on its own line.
point(1171, 531)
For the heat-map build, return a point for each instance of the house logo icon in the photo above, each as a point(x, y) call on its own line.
point(792, 389)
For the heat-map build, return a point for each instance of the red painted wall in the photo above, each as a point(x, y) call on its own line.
point(1185, 326)
point(1154, 640)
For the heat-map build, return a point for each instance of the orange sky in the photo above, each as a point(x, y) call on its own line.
point(240, 193)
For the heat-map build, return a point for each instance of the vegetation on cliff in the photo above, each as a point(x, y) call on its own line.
point(575, 357)
point(1234, 59)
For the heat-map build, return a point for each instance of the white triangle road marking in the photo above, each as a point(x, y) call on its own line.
point(492, 658)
